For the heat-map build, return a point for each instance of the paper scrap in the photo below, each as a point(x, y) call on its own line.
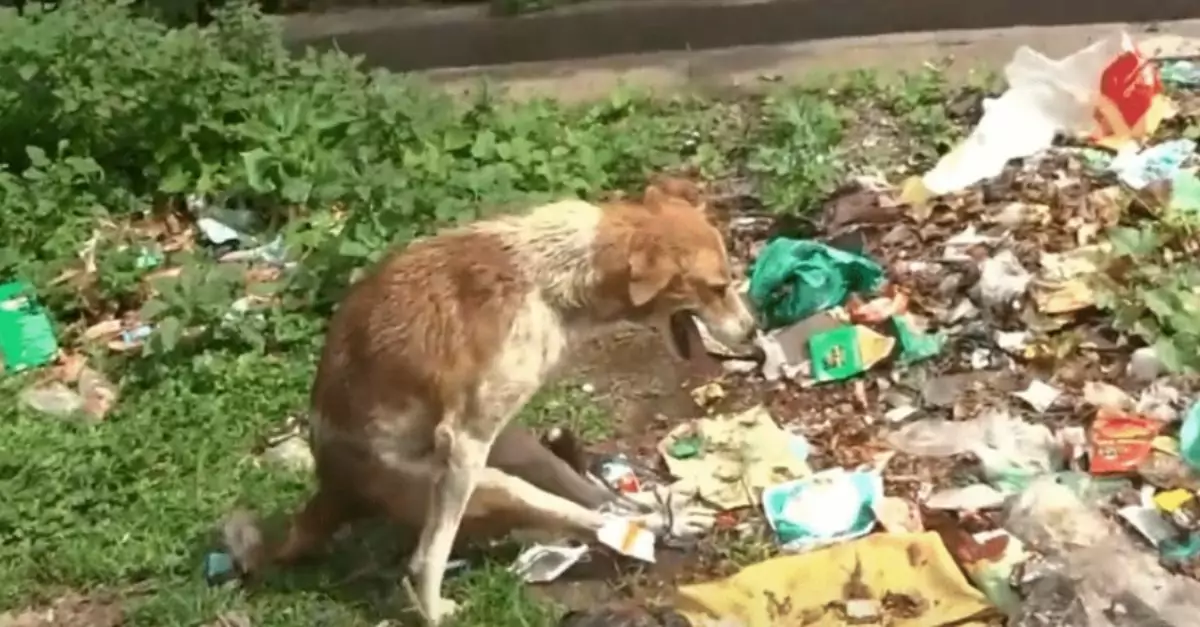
point(740, 455)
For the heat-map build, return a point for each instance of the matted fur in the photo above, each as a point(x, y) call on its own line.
point(434, 352)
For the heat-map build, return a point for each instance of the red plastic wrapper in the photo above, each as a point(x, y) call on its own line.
point(1120, 442)
point(1130, 103)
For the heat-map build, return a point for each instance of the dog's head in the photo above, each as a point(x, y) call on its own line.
point(678, 266)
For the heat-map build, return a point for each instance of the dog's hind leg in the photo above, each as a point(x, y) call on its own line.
point(460, 457)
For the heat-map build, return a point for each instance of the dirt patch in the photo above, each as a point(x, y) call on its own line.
point(644, 386)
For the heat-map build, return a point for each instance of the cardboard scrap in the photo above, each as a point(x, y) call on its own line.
point(740, 455)
point(815, 589)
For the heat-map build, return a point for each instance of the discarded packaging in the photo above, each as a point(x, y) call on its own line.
point(786, 352)
point(1120, 442)
point(971, 498)
point(1181, 506)
point(999, 555)
point(1040, 395)
point(1159, 402)
point(219, 568)
point(26, 334)
point(732, 458)
point(914, 345)
point(794, 279)
point(1011, 451)
point(915, 571)
point(1063, 284)
point(542, 564)
point(627, 538)
point(1183, 73)
point(1002, 280)
point(1160, 162)
point(1189, 437)
point(1094, 574)
point(1046, 97)
point(618, 474)
point(1181, 548)
point(1149, 523)
point(826, 508)
point(847, 351)
point(897, 515)
point(877, 309)
point(1167, 471)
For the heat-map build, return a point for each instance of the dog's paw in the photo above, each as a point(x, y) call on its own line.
point(682, 523)
point(442, 610)
point(693, 521)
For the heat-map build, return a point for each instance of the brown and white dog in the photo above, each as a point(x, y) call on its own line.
point(431, 355)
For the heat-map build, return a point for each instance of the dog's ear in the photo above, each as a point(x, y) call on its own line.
point(650, 271)
point(663, 188)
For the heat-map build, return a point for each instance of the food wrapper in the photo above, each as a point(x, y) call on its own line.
point(1130, 104)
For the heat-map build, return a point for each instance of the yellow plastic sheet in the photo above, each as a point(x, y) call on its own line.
point(912, 575)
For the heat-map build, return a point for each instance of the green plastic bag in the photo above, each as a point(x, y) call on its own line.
point(794, 279)
point(26, 335)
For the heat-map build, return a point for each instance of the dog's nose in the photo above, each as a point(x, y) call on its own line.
point(748, 327)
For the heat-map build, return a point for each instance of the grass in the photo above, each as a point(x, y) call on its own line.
point(131, 504)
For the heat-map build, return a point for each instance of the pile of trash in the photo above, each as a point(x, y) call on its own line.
point(985, 354)
point(1072, 496)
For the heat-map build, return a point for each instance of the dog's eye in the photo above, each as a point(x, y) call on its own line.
point(719, 288)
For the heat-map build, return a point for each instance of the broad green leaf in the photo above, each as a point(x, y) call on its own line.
point(255, 162)
point(352, 248)
point(169, 332)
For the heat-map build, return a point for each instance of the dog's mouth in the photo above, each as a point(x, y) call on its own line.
point(680, 330)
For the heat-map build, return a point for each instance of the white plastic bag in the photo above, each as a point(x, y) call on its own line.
point(1045, 96)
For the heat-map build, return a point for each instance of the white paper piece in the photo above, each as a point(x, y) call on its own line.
point(542, 563)
point(1148, 522)
point(1040, 395)
point(216, 232)
point(975, 497)
point(627, 538)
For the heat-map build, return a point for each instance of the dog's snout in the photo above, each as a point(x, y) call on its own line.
point(735, 324)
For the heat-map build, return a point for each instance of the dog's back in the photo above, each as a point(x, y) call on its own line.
point(435, 318)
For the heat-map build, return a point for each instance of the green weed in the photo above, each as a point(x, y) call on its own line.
point(118, 134)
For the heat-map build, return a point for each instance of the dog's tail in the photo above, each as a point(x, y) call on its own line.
point(567, 447)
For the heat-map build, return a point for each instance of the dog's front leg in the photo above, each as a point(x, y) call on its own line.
point(460, 457)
